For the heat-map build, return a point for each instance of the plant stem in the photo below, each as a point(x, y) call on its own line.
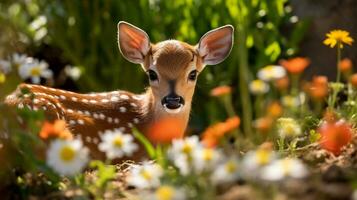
point(243, 81)
point(338, 77)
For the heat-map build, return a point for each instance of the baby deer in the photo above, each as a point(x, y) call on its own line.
point(172, 67)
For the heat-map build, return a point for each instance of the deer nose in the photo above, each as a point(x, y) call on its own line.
point(172, 101)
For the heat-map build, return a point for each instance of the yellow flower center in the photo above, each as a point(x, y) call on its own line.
point(258, 85)
point(187, 148)
point(289, 129)
point(231, 167)
point(146, 174)
point(118, 142)
point(207, 154)
point(36, 71)
point(263, 157)
point(67, 153)
point(2, 78)
point(165, 193)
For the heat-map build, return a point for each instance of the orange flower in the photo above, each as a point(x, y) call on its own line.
point(295, 65)
point(353, 80)
point(334, 136)
point(318, 88)
point(221, 90)
point(282, 83)
point(345, 65)
point(214, 133)
point(165, 130)
point(55, 129)
point(263, 124)
point(275, 110)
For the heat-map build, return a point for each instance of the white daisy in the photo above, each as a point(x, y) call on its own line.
point(205, 159)
point(73, 72)
point(226, 172)
point(291, 101)
point(288, 127)
point(5, 66)
point(20, 59)
point(254, 160)
point(144, 176)
point(67, 157)
point(271, 72)
point(165, 192)
point(35, 70)
point(258, 87)
point(284, 168)
point(181, 153)
point(115, 144)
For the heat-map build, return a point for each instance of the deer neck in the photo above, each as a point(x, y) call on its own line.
point(155, 112)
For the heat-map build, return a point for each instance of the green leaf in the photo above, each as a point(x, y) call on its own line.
point(150, 149)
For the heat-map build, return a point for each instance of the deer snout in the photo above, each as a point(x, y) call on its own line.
point(173, 102)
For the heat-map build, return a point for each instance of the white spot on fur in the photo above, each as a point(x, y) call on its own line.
point(93, 101)
point(72, 122)
point(36, 101)
point(116, 120)
point(69, 110)
point(101, 116)
point(62, 97)
point(110, 120)
point(133, 104)
point(124, 96)
point(130, 125)
point(136, 120)
point(122, 109)
point(104, 100)
point(85, 101)
point(74, 98)
point(114, 98)
point(87, 112)
point(96, 116)
point(80, 121)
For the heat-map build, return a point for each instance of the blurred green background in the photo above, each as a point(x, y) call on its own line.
point(83, 33)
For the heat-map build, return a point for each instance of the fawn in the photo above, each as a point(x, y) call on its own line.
point(172, 68)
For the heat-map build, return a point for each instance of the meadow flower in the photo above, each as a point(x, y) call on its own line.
point(353, 80)
point(271, 72)
point(335, 135)
point(115, 144)
point(212, 135)
point(2, 78)
point(166, 130)
point(288, 127)
point(165, 192)
point(263, 124)
point(57, 129)
point(181, 153)
point(67, 157)
point(290, 101)
point(20, 59)
point(226, 172)
point(5, 66)
point(345, 65)
point(35, 70)
point(282, 83)
point(73, 72)
point(146, 175)
point(205, 159)
point(221, 90)
point(254, 160)
point(295, 65)
point(284, 168)
point(338, 37)
point(258, 87)
point(274, 109)
point(318, 88)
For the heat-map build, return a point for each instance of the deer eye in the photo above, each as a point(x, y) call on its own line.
point(192, 75)
point(152, 75)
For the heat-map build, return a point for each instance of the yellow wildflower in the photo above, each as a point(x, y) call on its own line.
point(338, 37)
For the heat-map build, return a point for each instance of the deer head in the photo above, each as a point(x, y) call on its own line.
point(173, 66)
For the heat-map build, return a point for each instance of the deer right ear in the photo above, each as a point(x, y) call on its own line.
point(134, 43)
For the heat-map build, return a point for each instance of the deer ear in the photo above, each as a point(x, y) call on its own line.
point(134, 43)
point(215, 45)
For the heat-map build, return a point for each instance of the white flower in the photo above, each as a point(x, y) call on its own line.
point(254, 160)
point(144, 176)
point(67, 157)
point(288, 127)
point(181, 153)
point(73, 72)
point(35, 70)
point(283, 168)
point(291, 101)
point(5, 66)
point(271, 72)
point(226, 172)
point(115, 144)
point(354, 195)
point(165, 192)
point(20, 59)
point(205, 159)
point(258, 87)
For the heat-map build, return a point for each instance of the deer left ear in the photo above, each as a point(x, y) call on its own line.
point(215, 45)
